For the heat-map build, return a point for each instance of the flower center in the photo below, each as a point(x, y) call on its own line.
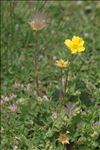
point(63, 138)
point(75, 46)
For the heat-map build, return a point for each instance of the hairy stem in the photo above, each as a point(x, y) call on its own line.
point(36, 58)
point(61, 96)
point(66, 82)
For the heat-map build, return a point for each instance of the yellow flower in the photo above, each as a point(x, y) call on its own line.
point(76, 45)
point(63, 138)
point(38, 22)
point(62, 63)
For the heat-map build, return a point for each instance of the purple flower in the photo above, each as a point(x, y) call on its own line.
point(13, 107)
point(1, 102)
point(13, 96)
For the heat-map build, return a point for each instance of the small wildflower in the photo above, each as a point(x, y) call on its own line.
point(70, 108)
point(2, 129)
point(38, 22)
point(97, 123)
point(77, 111)
point(67, 132)
point(76, 45)
point(13, 107)
point(22, 101)
point(1, 102)
point(17, 138)
point(15, 148)
point(39, 99)
point(95, 134)
point(79, 2)
point(62, 63)
point(77, 93)
point(28, 87)
point(45, 98)
point(6, 98)
point(63, 138)
point(16, 85)
point(54, 115)
point(54, 57)
point(12, 96)
point(86, 34)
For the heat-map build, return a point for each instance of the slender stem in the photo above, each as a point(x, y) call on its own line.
point(61, 85)
point(36, 64)
point(66, 82)
point(68, 70)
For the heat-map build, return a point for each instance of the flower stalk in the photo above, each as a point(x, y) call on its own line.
point(62, 64)
point(37, 24)
point(36, 57)
point(61, 95)
point(66, 82)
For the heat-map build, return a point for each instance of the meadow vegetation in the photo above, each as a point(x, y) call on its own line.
point(50, 75)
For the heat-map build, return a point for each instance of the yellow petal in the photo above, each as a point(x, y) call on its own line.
point(81, 49)
point(75, 38)
point(68, 43)
point(73, 51)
